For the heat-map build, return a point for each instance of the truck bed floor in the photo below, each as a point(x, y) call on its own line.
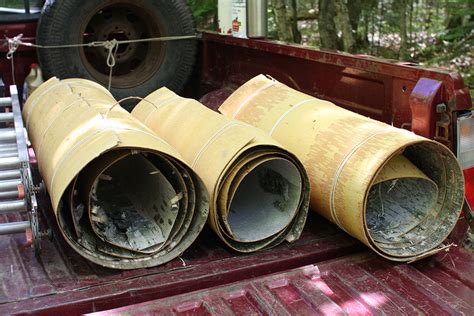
point(359, 284)
point(61, 281)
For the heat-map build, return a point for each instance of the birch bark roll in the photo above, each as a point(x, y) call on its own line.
point(399, 193)
point(259, 192)
point(123, 197)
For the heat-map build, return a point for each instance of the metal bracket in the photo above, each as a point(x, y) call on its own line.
point(423, 100)
point(442, 128)
point(40, 188)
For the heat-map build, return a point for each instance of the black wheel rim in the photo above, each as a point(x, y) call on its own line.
point(135, 63)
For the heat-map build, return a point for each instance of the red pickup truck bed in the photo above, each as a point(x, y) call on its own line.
point(331, 271)
point(361, 284)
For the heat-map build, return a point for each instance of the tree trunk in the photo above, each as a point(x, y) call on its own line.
point(379, 24)
point(354, 8)
point(281, 21)
point(345, 25)
point(365, 36)
point(294, 22)
point(403, 53)
point(410, 23)
point(372, 42)
point(326, 24)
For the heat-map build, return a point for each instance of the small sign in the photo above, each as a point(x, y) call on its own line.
point(224, 16)
point(239, 18)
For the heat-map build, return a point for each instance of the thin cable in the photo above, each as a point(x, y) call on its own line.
point(16, 41)
point(112, 47)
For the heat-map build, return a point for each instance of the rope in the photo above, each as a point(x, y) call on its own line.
point(12, 47)
point(12, 62)
point(16, 41)
point(111, 46)
point(13, 44)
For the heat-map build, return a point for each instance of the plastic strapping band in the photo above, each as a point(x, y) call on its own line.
point(294, 107)
point(105, 128)
point(212, 139)
point(72, 150)
point(35, 102)
point(339, 171)
point(157, 107)
point(250, 97)
point(58, 116)
point(52, 122)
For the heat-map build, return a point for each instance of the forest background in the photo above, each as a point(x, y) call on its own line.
point(428, 32)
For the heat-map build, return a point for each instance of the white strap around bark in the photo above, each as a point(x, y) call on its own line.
point(250, 97)
point(294, 107)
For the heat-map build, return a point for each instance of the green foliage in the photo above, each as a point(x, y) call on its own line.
point(453, 44)
point(205, 13)
point(460, 21)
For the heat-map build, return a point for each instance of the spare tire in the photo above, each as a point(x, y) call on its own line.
point(140, 67)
